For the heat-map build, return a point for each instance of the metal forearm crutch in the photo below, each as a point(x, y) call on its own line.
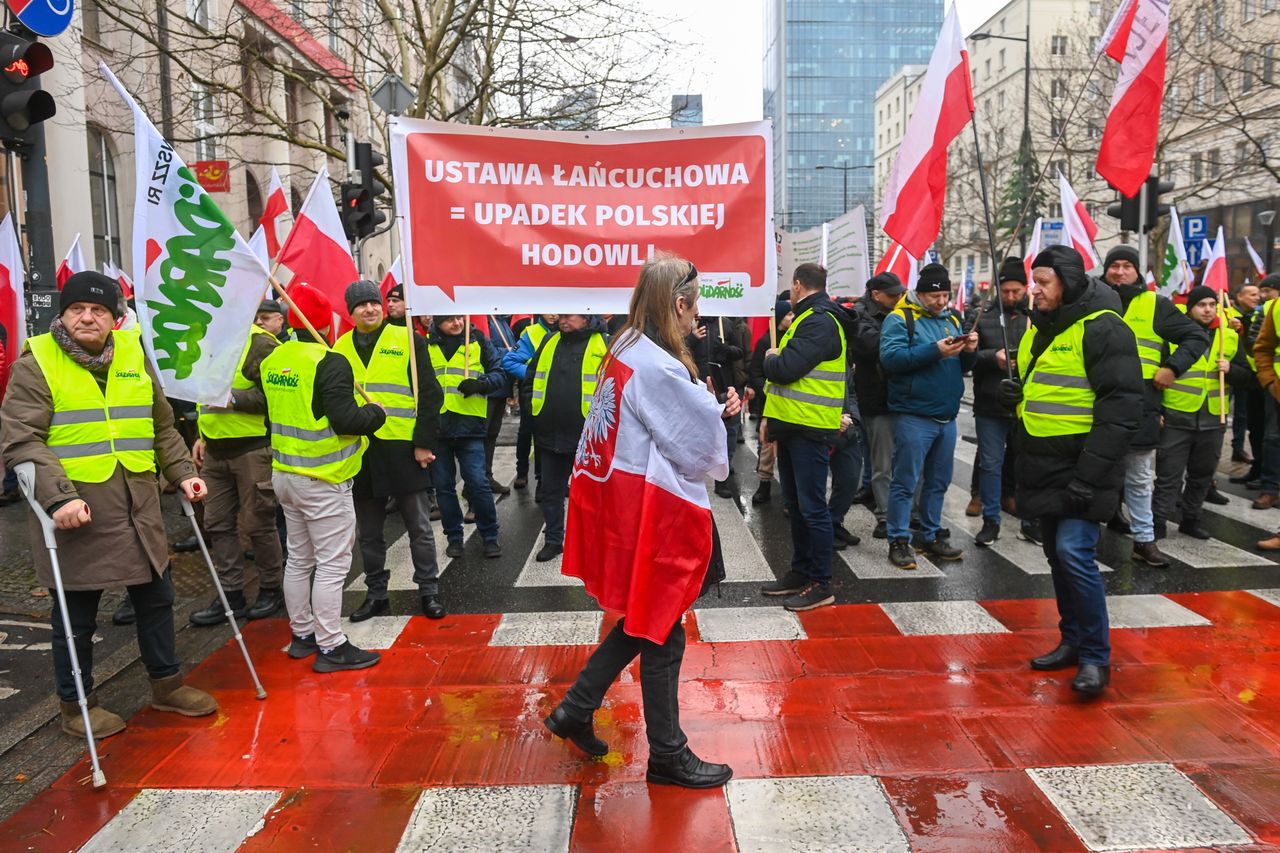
point(190, 512)
point(26, 472)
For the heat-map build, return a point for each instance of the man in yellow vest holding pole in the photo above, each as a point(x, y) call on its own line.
point(317, 437)
point(397, 462)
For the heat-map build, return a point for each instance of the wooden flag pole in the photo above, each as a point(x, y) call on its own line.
point(1222, 374)
point(413, 359)
point(284, 294)
point(773, 330)
point(466, 346)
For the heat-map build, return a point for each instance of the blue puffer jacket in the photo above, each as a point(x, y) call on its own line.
point(921, 381)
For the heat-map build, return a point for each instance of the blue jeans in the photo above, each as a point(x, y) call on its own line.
point(922, 447)
point(802, 469)
point(993, 436)
point(1071, 545)
point(1139, 488)
point(846, 477)
point(463, 456)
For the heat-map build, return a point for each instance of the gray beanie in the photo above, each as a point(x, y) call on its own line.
point(360, 292)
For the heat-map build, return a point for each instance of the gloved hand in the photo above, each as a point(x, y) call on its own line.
point(1078, 499)
point(471, 386)
point(1009, 393)
point(732, 353)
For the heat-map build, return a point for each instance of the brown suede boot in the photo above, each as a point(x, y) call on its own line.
point(104, 723)
point(170, 694)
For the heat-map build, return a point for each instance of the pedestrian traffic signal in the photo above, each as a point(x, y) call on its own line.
point(360, 214)
point(355, 211)
point(23, 104)
point(1155, 189)
point(1127, 210)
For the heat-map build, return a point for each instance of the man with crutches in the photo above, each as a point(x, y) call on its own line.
point(85, 407)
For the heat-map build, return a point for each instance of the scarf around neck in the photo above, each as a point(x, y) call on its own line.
point(81, 356)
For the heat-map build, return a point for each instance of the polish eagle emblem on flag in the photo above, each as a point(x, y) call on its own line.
point(594, 458)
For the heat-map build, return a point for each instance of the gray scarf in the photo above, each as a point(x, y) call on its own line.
point(81, 356)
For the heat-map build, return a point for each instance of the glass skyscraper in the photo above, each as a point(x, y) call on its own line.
point(823, 61)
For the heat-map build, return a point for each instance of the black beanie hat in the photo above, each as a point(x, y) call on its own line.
point(1012, 269)
point(360, 292)
point(397, 291)
point(1272, 281)
point(780, 309)
point(1200, 292)
point(92, 287)
point(934, 278)
point(1121, 253)
point(1067, 263)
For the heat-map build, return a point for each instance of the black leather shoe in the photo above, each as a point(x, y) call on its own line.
point(1191, 527)
point(214, 614)
point(432, 608)
point(269, 601)
point(549, 552)
point(1091, 679)
point(1215, 497)
point(124, 614)
point(187, 546)
point(1063, 657)
point(764, 492)
point(521, 481)
point(687, 770)
point(582, 735)
point(370, 608)
point(454, 548)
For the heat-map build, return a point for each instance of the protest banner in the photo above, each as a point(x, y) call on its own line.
point(796, 248)
point(498, 221)
point(846, 254)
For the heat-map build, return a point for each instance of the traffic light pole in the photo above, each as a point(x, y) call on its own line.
point(39, 214)
point(1142, 232)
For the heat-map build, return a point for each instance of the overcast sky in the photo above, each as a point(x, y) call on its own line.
point(726, 60)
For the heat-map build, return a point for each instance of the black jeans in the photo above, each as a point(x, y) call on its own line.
point(556, 470)
point(152, 601)
point(415, 509)
point(659, 684)
point(803, 466)
point(493, 426)
point(524, 440)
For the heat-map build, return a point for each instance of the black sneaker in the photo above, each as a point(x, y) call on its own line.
point(842, 534)
point(901, 554)
point(345, 656)
point(942, 549)
point(881, 531)
point(549, 552)
point(866, 497)
point(492, 550)
point(454, 548)
point(1029, 531)
point(521, 481)
point(187, 546)
point(303, 647)
point(790, 584)
point(1241, 456)
point(1191, 527)
point(124, 614)
point(432, 608)
point(763, 493)
point(989, 533)
point(215, 614)
point(812, 597)
point(1216, 497)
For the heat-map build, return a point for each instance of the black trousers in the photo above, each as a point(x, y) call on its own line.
point(1188, 453)
point(415, 511)
point(554, 488)
point(659, 683)
point(152, 601)
point(497, 410)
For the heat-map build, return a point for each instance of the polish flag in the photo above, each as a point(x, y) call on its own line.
point(917, 185)
point(481, 323)
point(316, 250)
point(639, 525)
point(901, 263)
point(1150, 280)
point(73, 263)
point(395, 273)
point(1033, 249)
point(110, 270)
point(258, 243)
point(13, 305)
point(1078, 225)
point(1137, 38)
point(277, 206)
point(1253, 256)
point(1215, 269)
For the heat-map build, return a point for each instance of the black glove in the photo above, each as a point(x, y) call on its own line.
point(1009, 393)
point(1078, 499)
point(732, 353)
point(471, 386)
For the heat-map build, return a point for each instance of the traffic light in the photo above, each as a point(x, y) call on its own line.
point(1127, 210)
point(1155, 189)
point(23, 104)
point(360, 214)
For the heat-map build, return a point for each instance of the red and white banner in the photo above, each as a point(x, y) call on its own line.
point(1137, 38)
point(273, 214)
point(1033, 249)
point(1255, 257)
point(13, 306)
point(317, 253)
point(901, 263)
point(498, 221)
point(917, 189)
point(1078, 227)
point(73, 263)
point(1215, 269)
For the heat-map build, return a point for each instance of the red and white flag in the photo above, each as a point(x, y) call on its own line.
point(73, 263)
point(13, 305)
point(1137, 38)
point(112, 271)
point(901, 263)
point(316, 251)
point(394, 276)
point(639, 526)
point(273, 215)
point(1215, 269)
point(258, 243)
point(1033, 249)
point(1078, 226)
point(1257, 260)
point(917, 189)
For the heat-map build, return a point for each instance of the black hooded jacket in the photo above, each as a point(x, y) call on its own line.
point(987, 372)
point(1045, 466)
point(864, 352)
point(812, 343)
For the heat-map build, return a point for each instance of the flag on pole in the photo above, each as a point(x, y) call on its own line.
point(316, 250)
point(1033, 249)
point(917, 186)
point(965, 284)
point(1215, 269)
point(1176, 275)
point(258, 243)
point(899, 262)
point(1077, 225)
point(395, 274)
point(13, 304)
point(272, 215)
point(1150, 281)
point(1253, 256)
point(198, 282)
point(1137, 38)
point(73, 263)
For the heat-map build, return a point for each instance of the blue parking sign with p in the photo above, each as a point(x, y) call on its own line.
point(1194, 231)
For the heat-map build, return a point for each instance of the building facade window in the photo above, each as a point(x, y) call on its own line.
point(102, 199)
point(1197, 167)
point(1246, 73)
point(203, 123)
point(1058, 46)
point(335, 23)
point(1219, 86)
point(1249, 9)
point(1268, 64)
point(198, 12)
point(1214, 157)
point(90, 20)
point(1058, 89)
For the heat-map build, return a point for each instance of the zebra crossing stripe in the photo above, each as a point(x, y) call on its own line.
point(162, 820)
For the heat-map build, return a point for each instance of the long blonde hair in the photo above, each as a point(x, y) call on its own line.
point(663, 279)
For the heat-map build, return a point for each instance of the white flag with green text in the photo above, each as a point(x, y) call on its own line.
point(198, 284)
point(1175, 273)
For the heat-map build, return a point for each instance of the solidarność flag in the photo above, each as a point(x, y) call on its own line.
point(1137, 38)
point(917, 185)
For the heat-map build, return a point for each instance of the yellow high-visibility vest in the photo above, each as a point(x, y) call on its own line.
point(385, 379)
point(591, 358)
point(451, 372)
point(1057, 398)
point(815, 399)
point(300, 442)
point(1190, 391)
point(217, 422)
point(1140, 317)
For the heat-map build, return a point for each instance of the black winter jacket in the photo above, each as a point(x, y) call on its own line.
point(864, 350)
point(1045, 466)
point(558, 425)
point(488, 372)
point(987, 373)
point(815, 341)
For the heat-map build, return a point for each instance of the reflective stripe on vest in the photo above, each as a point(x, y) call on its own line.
point(301, 443)
point(591, 358)
point(451, 372)
point(90, 431)
point(385, 379)
point(815, 399)
point(1057, 398)
point(217, 422)
point(1199, 385)
point(1141, 317)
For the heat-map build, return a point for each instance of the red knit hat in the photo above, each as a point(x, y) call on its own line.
point(313, 304)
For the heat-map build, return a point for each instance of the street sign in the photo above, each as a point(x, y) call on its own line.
point(1195, 229)
point(1050, 233)
point(45, 18)
point(392, 95)
point(213, 175)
